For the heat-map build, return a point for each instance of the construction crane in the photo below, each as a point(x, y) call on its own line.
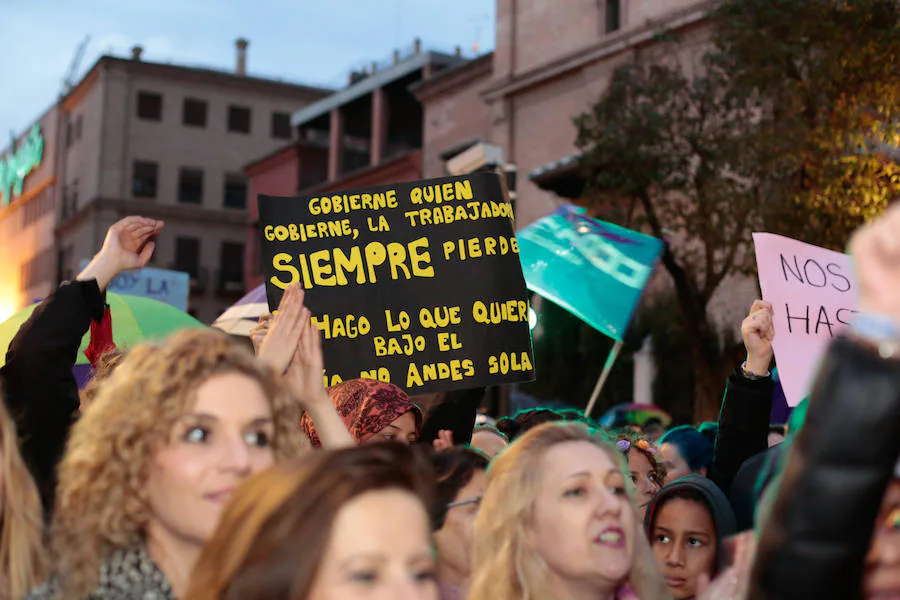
point(69, 81)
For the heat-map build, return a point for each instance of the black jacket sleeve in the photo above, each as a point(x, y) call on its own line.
point(743, 426)
point(456, 413)
point(40, 388)
point(815, 542)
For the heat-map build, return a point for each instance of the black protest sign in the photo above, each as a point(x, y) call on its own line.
point(418, 283)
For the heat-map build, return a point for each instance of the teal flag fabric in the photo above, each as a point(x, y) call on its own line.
point(594, 269)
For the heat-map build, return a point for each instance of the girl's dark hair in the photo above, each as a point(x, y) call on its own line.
point(688, 494)
point(454, 469)
point(529, 418)
point(638, 443)
point(274, 532)
point(693, 446)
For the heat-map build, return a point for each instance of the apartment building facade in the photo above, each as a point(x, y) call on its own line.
point(169, 142)
point(28, 195)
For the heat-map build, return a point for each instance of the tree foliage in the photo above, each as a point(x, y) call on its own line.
point(789, 125)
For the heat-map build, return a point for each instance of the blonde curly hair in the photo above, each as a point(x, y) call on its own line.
point(102, 504)
point(506, 567)
point(22, 553)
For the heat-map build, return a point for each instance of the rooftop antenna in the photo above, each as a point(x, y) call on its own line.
point(69, 81)
point(477, 23)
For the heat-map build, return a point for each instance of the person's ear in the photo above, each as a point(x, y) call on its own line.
point(703, 471)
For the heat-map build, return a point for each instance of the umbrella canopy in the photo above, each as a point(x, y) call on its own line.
point(134, 320)
point(623, 415)
point(245, 313)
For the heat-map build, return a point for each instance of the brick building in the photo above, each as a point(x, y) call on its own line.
point(169, 142)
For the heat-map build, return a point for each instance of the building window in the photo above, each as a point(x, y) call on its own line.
point(194, 113)
point(231, 271)
point(69, 134)
point(73, 193)
point(190, 186)
point(613, 15)
point(187, 256)
point(143, 182)
point(235, 192)
point(239, 119)
point(78, 123)
point(281, 126)
point(149, 106)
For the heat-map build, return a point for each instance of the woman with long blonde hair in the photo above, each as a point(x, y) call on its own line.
point(557, 522)
point(150, 465)
point(21, 541)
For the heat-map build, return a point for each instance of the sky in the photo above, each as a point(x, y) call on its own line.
point(315, 42)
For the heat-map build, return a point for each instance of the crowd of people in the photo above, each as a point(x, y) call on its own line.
point(199, 469)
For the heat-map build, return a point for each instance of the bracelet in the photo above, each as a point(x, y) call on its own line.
point(753, 376)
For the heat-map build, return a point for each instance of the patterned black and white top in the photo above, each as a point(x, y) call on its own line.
point(128, 575)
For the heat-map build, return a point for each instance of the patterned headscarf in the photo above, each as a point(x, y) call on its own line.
point(366, 406)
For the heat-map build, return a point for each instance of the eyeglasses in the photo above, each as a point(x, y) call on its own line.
point(476, 500)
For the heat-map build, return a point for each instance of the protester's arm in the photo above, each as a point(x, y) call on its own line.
point(40, 389)
point(814, 544)
point(293, 348)
point(747, 403)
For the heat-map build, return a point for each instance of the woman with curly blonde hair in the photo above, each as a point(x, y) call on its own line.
point(557, 522)
point(21, 518)
point(149, 466)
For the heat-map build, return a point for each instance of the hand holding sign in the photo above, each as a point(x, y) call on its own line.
point(418, 283)
point(876, 250)
point(758, 331)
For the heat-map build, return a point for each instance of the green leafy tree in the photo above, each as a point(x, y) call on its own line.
point(788, 125)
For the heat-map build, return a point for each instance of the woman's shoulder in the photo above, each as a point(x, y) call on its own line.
point(128, 575)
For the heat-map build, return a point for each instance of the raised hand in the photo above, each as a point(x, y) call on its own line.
point(280, 342)
point(758, 331)
point(259, 331)
point(304, 374)
point(444, 440)
point(306, 384)
point(876, 252)
point(734, 582)
point(129, 244)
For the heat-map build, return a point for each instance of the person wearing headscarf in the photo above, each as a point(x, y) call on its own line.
point(373, 411)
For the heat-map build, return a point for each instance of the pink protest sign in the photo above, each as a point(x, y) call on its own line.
point(813, 293)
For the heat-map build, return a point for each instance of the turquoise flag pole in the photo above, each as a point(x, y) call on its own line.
point(610, 361)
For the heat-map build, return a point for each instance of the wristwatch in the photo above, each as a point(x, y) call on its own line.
point(879, 332)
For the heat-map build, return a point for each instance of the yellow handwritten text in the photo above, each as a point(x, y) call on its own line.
point(456, 370)
point(506, 363)
point(461, 190)
point(446, 214)
point(406, 344)
point(478, 247)
point(331, 267)
point(348, 326)
point(305, 232)
point(327, 205)
point(513, 311)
